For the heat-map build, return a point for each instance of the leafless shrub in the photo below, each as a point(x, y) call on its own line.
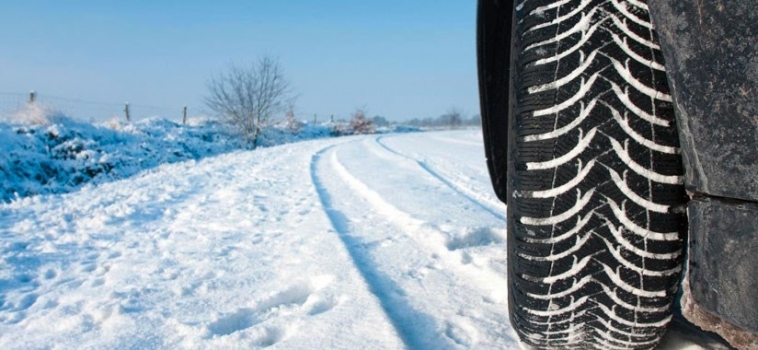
point(292, 124)
point(359, 124)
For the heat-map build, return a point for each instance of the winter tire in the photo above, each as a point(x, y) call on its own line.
point(596, 223)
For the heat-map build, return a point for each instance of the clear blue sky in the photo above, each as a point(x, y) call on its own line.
point(400, 59)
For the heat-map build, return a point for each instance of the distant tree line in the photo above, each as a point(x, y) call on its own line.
point(453, 118)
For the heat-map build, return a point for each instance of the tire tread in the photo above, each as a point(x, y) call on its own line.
point(611, 282)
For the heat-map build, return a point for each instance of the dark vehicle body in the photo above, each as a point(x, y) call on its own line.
point(711, 60)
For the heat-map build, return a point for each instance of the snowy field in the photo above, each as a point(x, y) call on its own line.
point(365, 242)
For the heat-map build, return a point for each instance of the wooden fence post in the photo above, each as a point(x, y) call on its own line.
point(126, 109)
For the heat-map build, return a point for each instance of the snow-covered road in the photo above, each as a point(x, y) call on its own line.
point(367, 242)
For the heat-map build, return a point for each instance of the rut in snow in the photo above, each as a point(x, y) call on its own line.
point(427, 257)
point(400, 312)
point(462, 190)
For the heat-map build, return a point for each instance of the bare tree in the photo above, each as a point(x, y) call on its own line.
point(249, 98)
point(452, 118)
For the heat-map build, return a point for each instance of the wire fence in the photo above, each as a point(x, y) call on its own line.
point(12, 103)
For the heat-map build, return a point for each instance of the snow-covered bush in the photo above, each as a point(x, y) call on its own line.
point(63, 154)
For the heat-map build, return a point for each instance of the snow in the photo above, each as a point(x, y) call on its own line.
point(364, 242)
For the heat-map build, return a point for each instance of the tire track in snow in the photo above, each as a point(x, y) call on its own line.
point(458, 275)
point(424, 233)
point(400, 312)
point(466, 193)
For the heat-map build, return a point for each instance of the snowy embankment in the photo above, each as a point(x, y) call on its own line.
point(42, 152)
point(366, 242)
